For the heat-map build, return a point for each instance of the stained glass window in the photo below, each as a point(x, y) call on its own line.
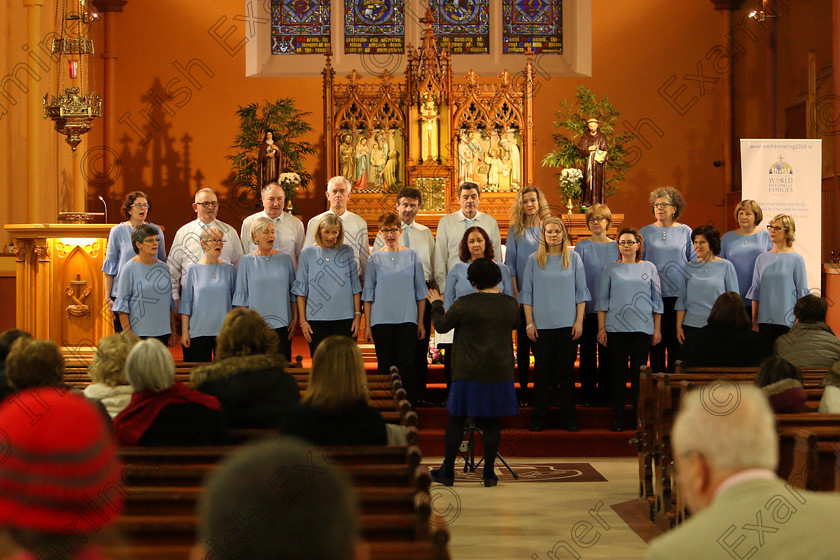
point(300, 26)
point(463, 25)
point(374, 26)
point(538, 23)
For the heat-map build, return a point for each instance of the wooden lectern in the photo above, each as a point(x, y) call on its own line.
point(60, 286)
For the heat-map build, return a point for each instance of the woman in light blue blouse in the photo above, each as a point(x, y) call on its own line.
point(206, 298)
point(120, 250)
point(394, 297)
point(705, 279)
point(553, 295)
point(629, 317)
point(526, 215)
point(475, 244)
point(143, 303)
point(742, 246)
point(595, 252)
point(264, 282)
point(327, 285)
point(779, 280)
point(668, 246)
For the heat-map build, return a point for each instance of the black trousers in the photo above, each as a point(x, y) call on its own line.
point(632, 347)
point(421, 359)
point(771, 332)
point(454, 435)
point(594, 374)
point(163, 338)
point(395, 346)
point(669, 340)
point(285, 345)
point(323, 329)
point(201, 349)
point(554, 357)
point(523, 354)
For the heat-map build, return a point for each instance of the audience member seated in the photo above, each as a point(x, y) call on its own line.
point(60, 478)
point(163, 411)
point(830, 402)
point(107, 370)
point(38, 364)
point(781, 382)
point(726, 465)
point(248, 376)
point(335, 408)
point(261, 505)
point(6, 340)
point(727, 340)
point(810, 342)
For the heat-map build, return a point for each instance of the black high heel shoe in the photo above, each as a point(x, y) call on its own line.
point(445, 474)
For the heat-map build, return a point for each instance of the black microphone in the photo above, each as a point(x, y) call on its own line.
point(106, 208)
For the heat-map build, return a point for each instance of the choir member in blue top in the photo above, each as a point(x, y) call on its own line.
point(395, 297)
point(206, 298)
point(523, 238)
point(779, 280)
point(629, 317)
point(143, 305)
point(742, 246)
point(595, 252)
point(264, 282)
point(475, 244)
point(705, 279)
point(668, 246)
point(120, 250)
point(553, 294)
point(327, 285)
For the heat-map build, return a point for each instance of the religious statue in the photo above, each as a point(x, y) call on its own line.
point(593, 146)
point(270, 160)
point(346, 157)
point(465, 158)
point(494, 164)
point(362, 161)
point(378, 157)
point(429, 118)
point(391, 171)
point(511, 146)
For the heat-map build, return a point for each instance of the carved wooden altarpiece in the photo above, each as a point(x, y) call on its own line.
point(431, 131)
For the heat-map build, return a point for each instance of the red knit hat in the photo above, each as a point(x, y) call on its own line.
point(58, 463)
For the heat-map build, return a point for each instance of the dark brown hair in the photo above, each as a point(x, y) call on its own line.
point(129, 201)
point(729, 311)
point(464, 249)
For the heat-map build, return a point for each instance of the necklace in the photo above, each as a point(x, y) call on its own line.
point(215, 268)
point(266, 259)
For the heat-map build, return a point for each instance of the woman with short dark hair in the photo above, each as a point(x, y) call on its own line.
point(145, 306)
point(726, 340)
point(704, 280)
point(482, 368)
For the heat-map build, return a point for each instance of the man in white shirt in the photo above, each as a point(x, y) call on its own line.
point(288, 229)
point(186, 247)
point(355, 227)
point(451, 229)
point(418, 237)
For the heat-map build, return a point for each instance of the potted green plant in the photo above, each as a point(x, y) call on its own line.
point(288, 126)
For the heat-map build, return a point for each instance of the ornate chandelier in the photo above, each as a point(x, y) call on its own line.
point(74, 105)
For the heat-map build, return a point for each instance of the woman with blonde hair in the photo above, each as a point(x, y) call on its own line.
point(742, 246)
point(327, 285)
point(335, 408)
point(553, 296)
point(595, 251)
point(107, 371)
point(526, 217)
point(248, 376)
point(778, 281)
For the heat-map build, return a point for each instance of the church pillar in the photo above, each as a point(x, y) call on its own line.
point(34, 116)
point(771, 122)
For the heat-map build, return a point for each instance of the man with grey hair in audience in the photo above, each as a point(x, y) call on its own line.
point(726, 451)
point(277, 499)
point(186, 246)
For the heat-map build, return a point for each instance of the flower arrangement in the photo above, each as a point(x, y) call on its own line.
point(290, 182)
point(571, 182)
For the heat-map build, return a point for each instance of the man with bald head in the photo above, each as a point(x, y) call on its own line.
point(186, 247)
point(355, 227)
point(726, 451)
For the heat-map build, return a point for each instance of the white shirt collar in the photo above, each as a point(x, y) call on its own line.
point(275, 220)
